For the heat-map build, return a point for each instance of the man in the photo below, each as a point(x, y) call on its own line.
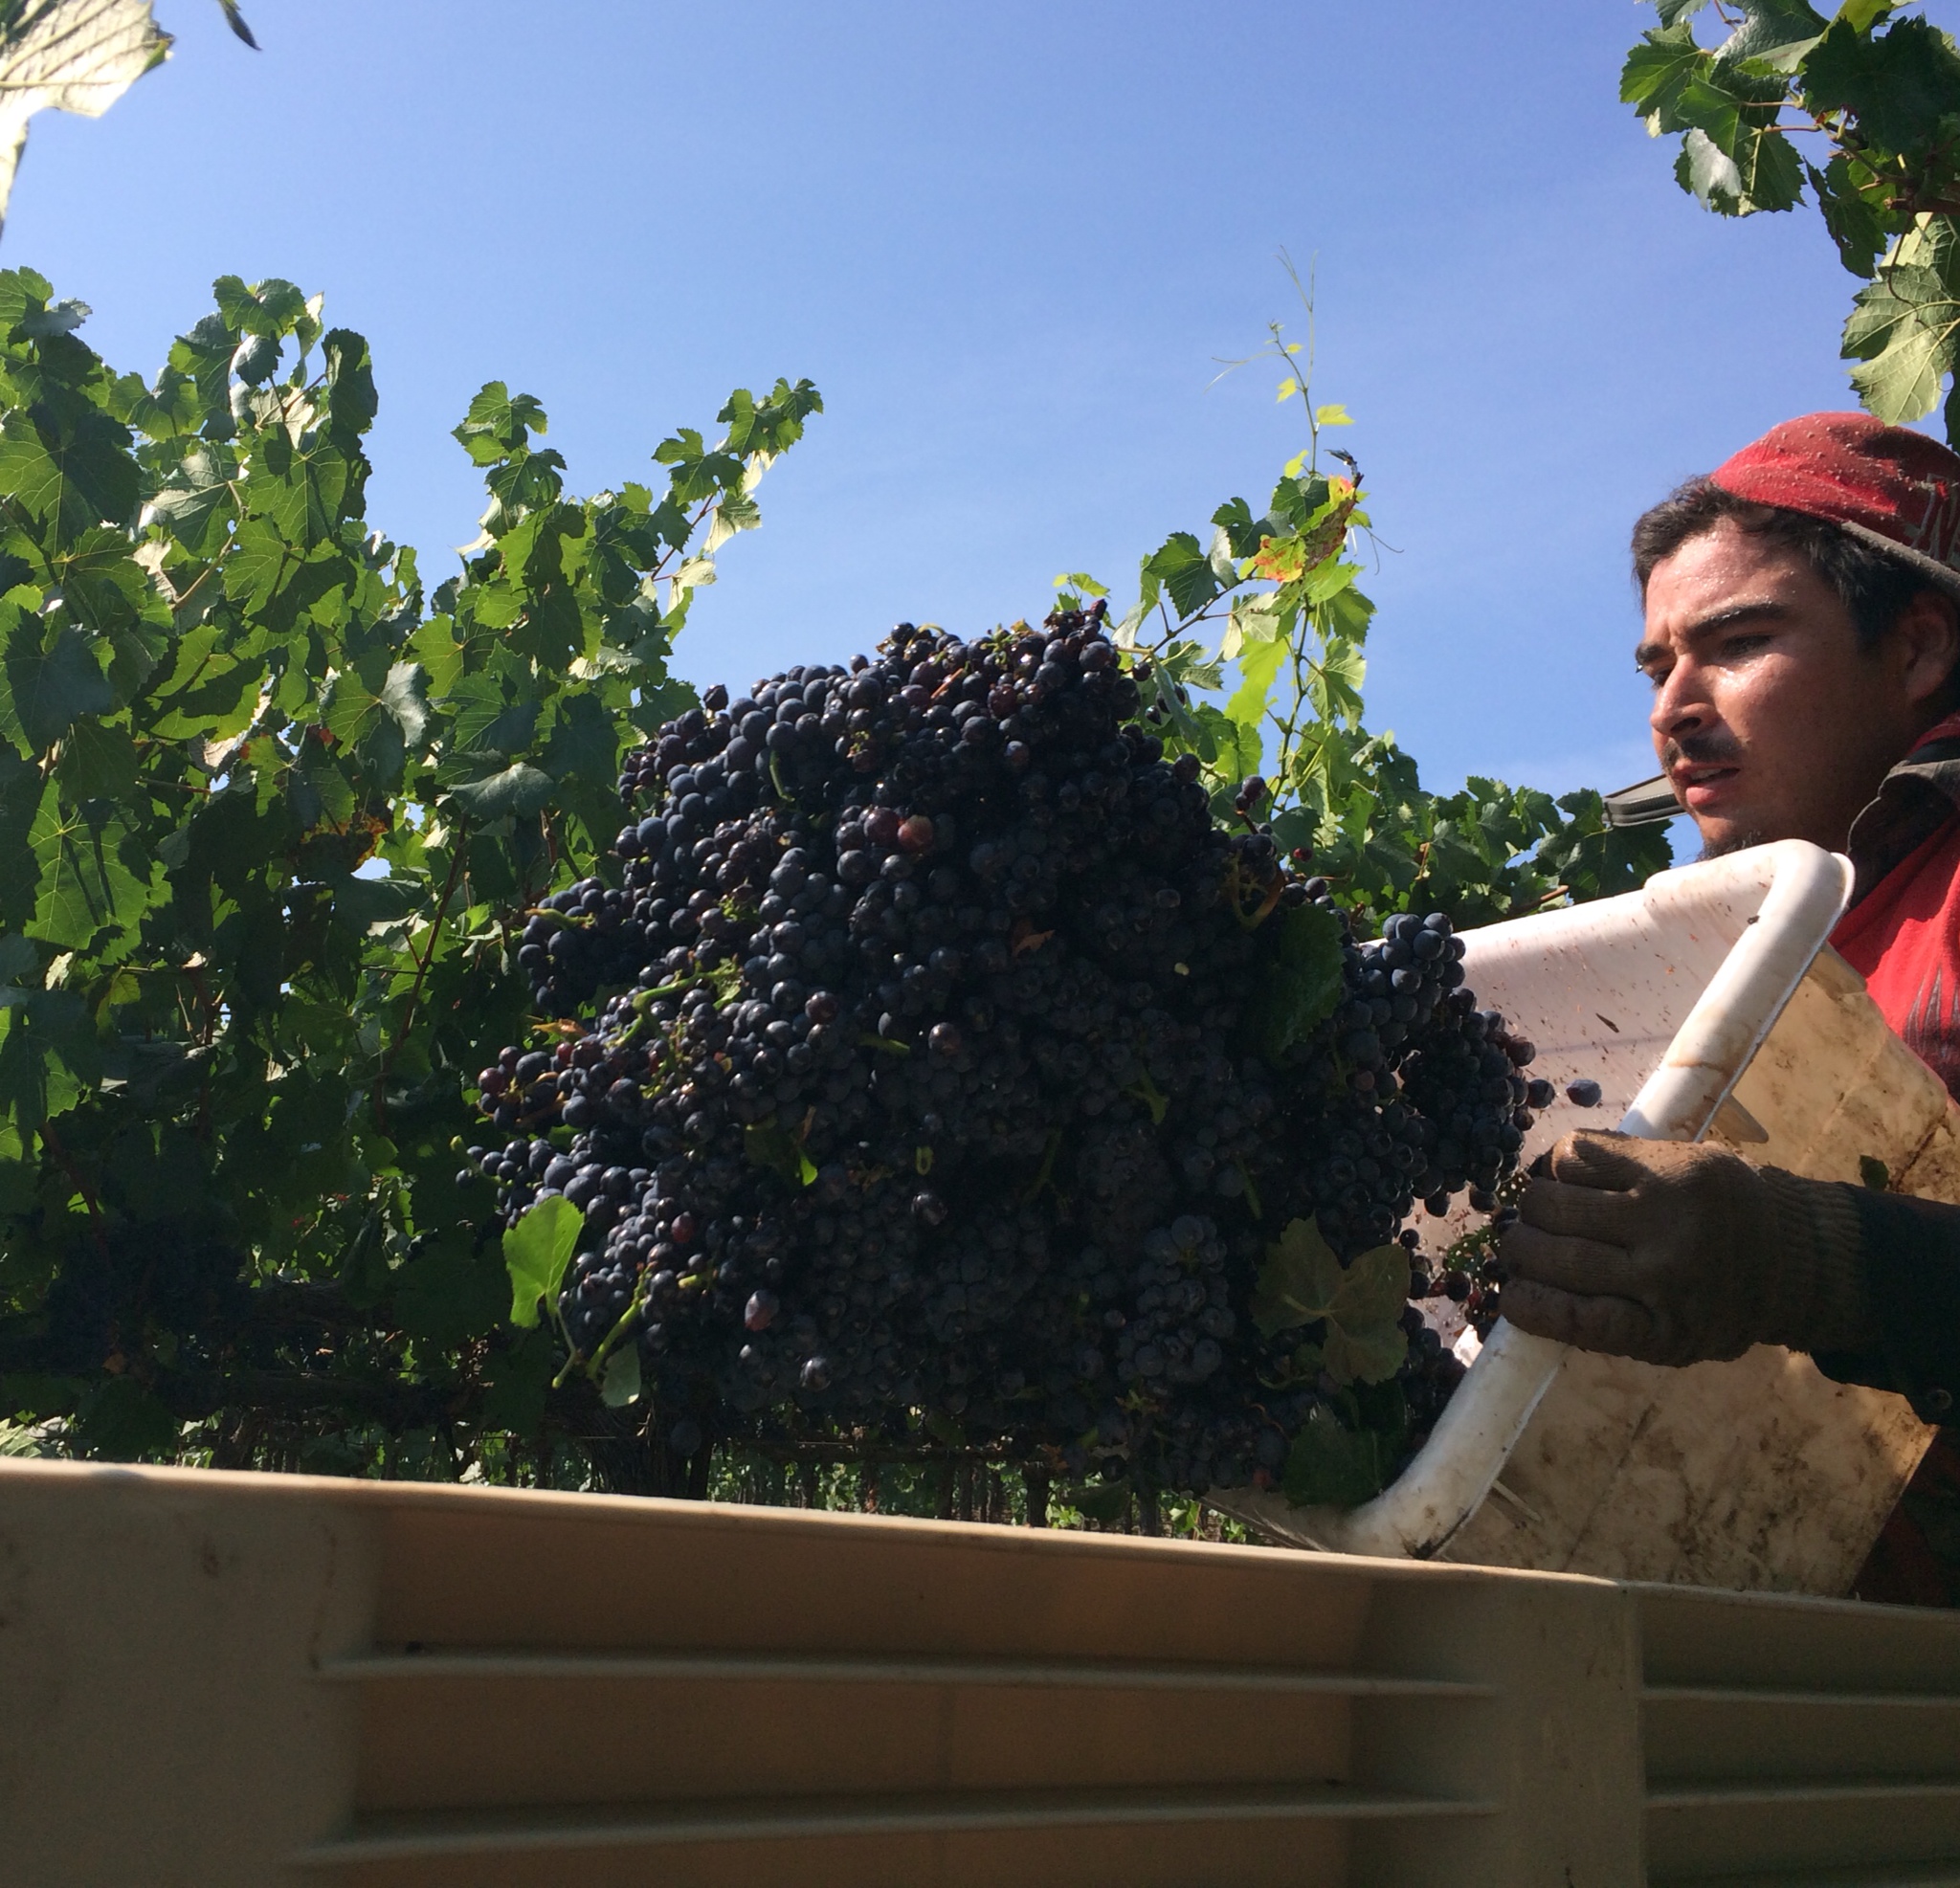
point(1802, 635)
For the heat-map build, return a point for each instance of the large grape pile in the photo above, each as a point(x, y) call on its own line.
point(940, 1094)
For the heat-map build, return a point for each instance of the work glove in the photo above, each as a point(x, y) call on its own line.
point(1675, 1254)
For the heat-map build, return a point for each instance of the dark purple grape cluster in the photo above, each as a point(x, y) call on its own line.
point(1469, 1082)
point(932, 1097)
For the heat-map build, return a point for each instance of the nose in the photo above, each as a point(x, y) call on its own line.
point(1680, 703)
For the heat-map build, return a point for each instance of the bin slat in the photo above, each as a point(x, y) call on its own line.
point(1902, 1875)
point(1798, 1827)
point(1751, 1794)
point(752, 1820)
point(1797, 1699)
point(714, 1667)
point(1694, 1738)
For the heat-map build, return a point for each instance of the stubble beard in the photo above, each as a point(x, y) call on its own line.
point(1735, 842)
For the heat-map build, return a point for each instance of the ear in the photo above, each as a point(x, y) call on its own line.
point(1925, 641)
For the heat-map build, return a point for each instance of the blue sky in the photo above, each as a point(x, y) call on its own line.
point(1008, 243)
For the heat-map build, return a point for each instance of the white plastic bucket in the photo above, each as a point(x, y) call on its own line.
point(1759, 1474)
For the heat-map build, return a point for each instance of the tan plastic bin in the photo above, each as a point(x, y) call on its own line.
point(1707, 1004)
point(212, 1680)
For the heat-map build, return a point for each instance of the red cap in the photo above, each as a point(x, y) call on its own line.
point(1895, 488)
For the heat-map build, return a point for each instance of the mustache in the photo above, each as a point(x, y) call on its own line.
point(1709, 748)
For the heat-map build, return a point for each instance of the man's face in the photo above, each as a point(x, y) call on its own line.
point(1768, 718)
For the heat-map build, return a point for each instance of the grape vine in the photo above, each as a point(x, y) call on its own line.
point(1861, 108)
point(289, 840)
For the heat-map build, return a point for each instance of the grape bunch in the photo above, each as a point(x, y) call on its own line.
point(920, 1084)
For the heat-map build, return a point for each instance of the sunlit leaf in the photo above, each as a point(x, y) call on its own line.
point(536, 1250)
point(517, 789)
point(87, 882)
point(77, 55)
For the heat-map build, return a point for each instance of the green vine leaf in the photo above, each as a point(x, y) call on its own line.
point(1302, 1282)
point(1330, 1465)
point(536, 1250)
point(517, 789)
point(77, 55)
point(1101, 1500)
point(49, 680)
point(620, 1383)
point(1904, 329)
point(1300, 981)
point(1774, 34)
point(1882, 93)
point(87, 884)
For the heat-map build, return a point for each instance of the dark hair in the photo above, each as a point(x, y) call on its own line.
point(1873, 588)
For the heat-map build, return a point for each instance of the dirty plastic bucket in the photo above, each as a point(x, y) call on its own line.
point(1705, 1005)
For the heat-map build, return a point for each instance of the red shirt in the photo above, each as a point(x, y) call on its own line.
point(1904, 939)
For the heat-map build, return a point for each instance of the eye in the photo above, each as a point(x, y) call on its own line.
point(1739, 647)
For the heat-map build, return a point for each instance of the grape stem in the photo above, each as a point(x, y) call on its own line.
point(1045, 1178)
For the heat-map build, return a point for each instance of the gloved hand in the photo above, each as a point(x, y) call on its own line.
point(1675, 1254)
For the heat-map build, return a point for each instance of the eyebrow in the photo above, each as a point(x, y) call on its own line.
point(1762, 611)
